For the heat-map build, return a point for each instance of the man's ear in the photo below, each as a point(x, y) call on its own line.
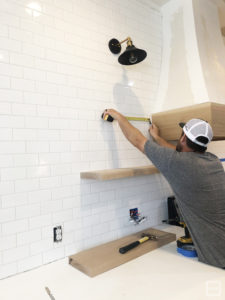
point(183, 139)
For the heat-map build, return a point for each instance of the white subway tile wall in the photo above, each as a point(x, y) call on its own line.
point(57, 75)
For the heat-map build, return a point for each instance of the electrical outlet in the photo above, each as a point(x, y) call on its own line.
point(57, 234)
point(134, 215)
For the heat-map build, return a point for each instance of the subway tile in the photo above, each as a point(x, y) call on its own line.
point(53, 33)
point(21, 59)
point(7, 242)
point(20, 35)
point(37, 147)
point(5, 133)
point(23, 84)
point(8, 69)
point(69, 202)
point(47, 42)
point(9, 19)
point(4, 82)
point(47, 111)
point(7, 214)
point(59, 124)
point(24, 134)
point(38, 171)
point(35, 98)
point(49, 158)
point(28, 211)
point(6, 187)
point(56, 78)
point(23, 109)
point(14, 8)
point(62, 192)
point(36, 122)
point(14, 227)
point(40, 246)
point(50, 182)
point(68, 113)
point(25, 159)
point(34, 27)
point(57, 146)
point(30, 263)
point(47, 88)
point(26, 185)
point(62, 216)
point(48, 135)
point(12, 45)
point(39, 195)
point(33, 50)
point(28, 237)
point(54, 254)
point(60, 170)
point(69, 135)
point(40, 221)
point(12, 173)
point(11, 121)
point(14, 200)
point(46, 65)
point(5, 108)
point(52, 206)
point(34, 74)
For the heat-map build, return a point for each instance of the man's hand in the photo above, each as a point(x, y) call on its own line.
point(131, 133)
point(112, 112)
point(154, 131)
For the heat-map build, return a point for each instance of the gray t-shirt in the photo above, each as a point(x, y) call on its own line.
point(198, 182)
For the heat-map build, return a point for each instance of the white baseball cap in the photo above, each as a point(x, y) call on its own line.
point(195, 128)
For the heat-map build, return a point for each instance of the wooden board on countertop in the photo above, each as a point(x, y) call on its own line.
point(105, 257)
point(168, 121)
point(119, 173)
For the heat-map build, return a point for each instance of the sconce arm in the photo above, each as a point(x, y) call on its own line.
point(129, 41)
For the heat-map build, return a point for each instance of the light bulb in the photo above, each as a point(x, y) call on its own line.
point(132, 58)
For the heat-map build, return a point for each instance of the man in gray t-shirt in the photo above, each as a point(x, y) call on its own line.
point(196, 177)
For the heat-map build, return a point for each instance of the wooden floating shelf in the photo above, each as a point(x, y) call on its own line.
point(105, 257)
point(168, 121)
point(119, 173)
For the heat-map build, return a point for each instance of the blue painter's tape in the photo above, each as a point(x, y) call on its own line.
point(187, 253)
point(222, 159)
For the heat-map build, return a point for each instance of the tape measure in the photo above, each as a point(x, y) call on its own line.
point(187, 250)
point(140, 119)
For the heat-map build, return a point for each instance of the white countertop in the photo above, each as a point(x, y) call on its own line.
point(160, 274)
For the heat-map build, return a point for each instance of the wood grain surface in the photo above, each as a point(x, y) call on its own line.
point(105, 257)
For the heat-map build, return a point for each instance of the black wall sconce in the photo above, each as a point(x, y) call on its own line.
point(131, 55)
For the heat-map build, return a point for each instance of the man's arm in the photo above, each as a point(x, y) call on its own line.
point(133, 135)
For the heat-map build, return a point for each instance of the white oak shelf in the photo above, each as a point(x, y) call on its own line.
point(168, 121)
point(119, 173)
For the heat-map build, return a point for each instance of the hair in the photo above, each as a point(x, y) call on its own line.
point(196, 147)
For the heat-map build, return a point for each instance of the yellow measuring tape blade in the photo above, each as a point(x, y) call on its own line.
point(139, 119)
